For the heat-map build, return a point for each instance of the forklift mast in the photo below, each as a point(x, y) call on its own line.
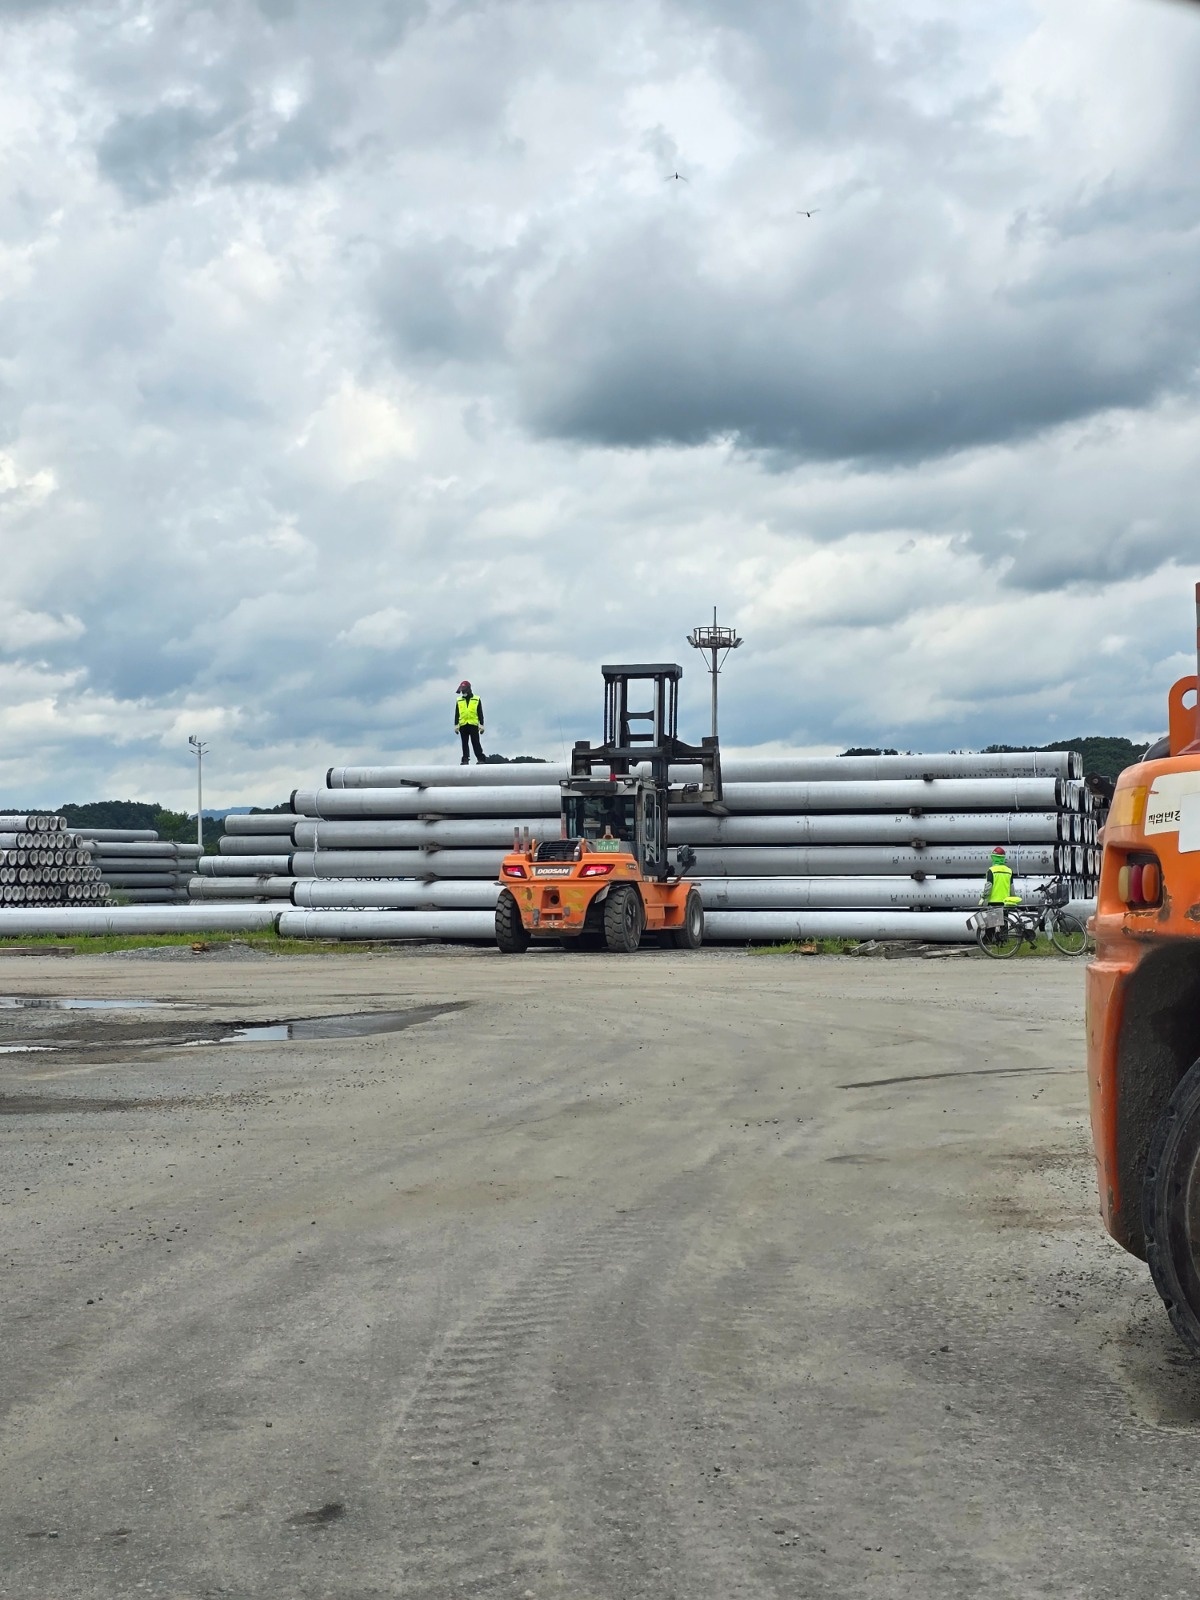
point(639, 748)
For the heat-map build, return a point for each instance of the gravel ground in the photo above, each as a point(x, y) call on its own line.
point(667, 1276)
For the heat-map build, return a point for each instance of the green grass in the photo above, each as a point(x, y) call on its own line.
point(260, 938)
point(792, 947)
point(838, 947)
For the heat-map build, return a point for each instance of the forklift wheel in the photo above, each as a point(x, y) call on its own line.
point(512, 936)
point(1171, 1208)
point(623, 919)
point(690, 935)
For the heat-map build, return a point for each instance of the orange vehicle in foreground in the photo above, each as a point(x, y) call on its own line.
point(610, 878)
point(1143, 1012)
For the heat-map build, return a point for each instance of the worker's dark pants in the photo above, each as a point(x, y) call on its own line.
point(470, 736)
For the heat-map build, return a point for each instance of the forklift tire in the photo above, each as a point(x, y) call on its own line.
point(512, 937)
point(623, 919)
point(1171, 1208)
point(690, 936)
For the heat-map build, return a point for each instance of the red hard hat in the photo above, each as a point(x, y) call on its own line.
point(465, 684)
point(998, 850)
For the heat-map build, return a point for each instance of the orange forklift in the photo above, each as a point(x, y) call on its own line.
point(609, 879)
point(1143, 1012)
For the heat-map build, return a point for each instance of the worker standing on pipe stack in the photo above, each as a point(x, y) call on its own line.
point(997, 886)
point(468, 720)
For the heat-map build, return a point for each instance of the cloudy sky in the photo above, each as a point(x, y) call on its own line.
point(349, 349)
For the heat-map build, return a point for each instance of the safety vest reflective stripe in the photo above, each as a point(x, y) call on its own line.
point(468, 711)
point(1001, 886)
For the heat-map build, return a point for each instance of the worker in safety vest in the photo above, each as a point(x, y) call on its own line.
point(468, 720)
point(997, 886)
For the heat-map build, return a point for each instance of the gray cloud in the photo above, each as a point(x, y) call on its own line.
point(347, 352)
point(444, 301)
point(150, 154)
point(634, 346)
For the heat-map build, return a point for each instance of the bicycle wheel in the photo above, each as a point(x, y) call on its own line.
point(999, 943)
point(1068, 934)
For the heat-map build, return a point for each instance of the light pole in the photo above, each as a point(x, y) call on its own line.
point(716, 643)
point(201, 751)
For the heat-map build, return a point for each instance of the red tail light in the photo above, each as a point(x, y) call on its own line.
point(515, 871)
point(597, 869)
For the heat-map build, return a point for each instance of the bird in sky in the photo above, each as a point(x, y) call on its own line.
point(811, 213)
point(675, 177)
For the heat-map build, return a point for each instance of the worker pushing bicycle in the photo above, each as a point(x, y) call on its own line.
point(998, 885)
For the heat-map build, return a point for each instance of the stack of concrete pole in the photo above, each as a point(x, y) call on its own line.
point(42, 863)
point(141, 868)
point(854, 846)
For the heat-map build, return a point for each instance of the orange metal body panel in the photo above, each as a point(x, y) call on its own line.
point(1139, 824)
point(554, 897)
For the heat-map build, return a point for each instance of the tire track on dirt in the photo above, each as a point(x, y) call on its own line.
point(478, 1466)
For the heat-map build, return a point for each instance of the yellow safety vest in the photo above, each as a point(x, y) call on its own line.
point(1000, 886)
point(468, 711)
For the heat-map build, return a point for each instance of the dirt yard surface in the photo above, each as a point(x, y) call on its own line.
point(685, 1277)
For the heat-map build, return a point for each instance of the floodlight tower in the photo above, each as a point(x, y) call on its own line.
point(201, 750)
point(716, 643)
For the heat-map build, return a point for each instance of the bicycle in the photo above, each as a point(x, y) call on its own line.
point(1001, 930)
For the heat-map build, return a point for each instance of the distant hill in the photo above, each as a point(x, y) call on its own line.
point(141, 814)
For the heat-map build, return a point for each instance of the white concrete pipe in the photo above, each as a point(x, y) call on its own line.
point(240, 888)
point(257, 844)
point(769, 927)
point(884, 769)
point(939, 794)
point(243, 866)
point(499, 774)
point(117, 835)
point(240, 824)
point(514, 802)
point(477, 925)
point(110, 864)
point(1005, 827)
point(843, 894)
point(456, 833)
point(392, 863)
point(152, 897)
point(399, 894)
point(844, 861)
point(134, 919)
point(141, 880)
point(139, 849)
point(738, 769)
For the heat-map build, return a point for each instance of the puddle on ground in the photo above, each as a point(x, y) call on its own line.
point(353, 1025)
point(19, 1002)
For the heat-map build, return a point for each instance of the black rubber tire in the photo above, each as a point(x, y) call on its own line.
point(623, 919)
point(999, 943)
point(1068, 934)
point(512, 936)
point(1171, 1208)
point(690, 936)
